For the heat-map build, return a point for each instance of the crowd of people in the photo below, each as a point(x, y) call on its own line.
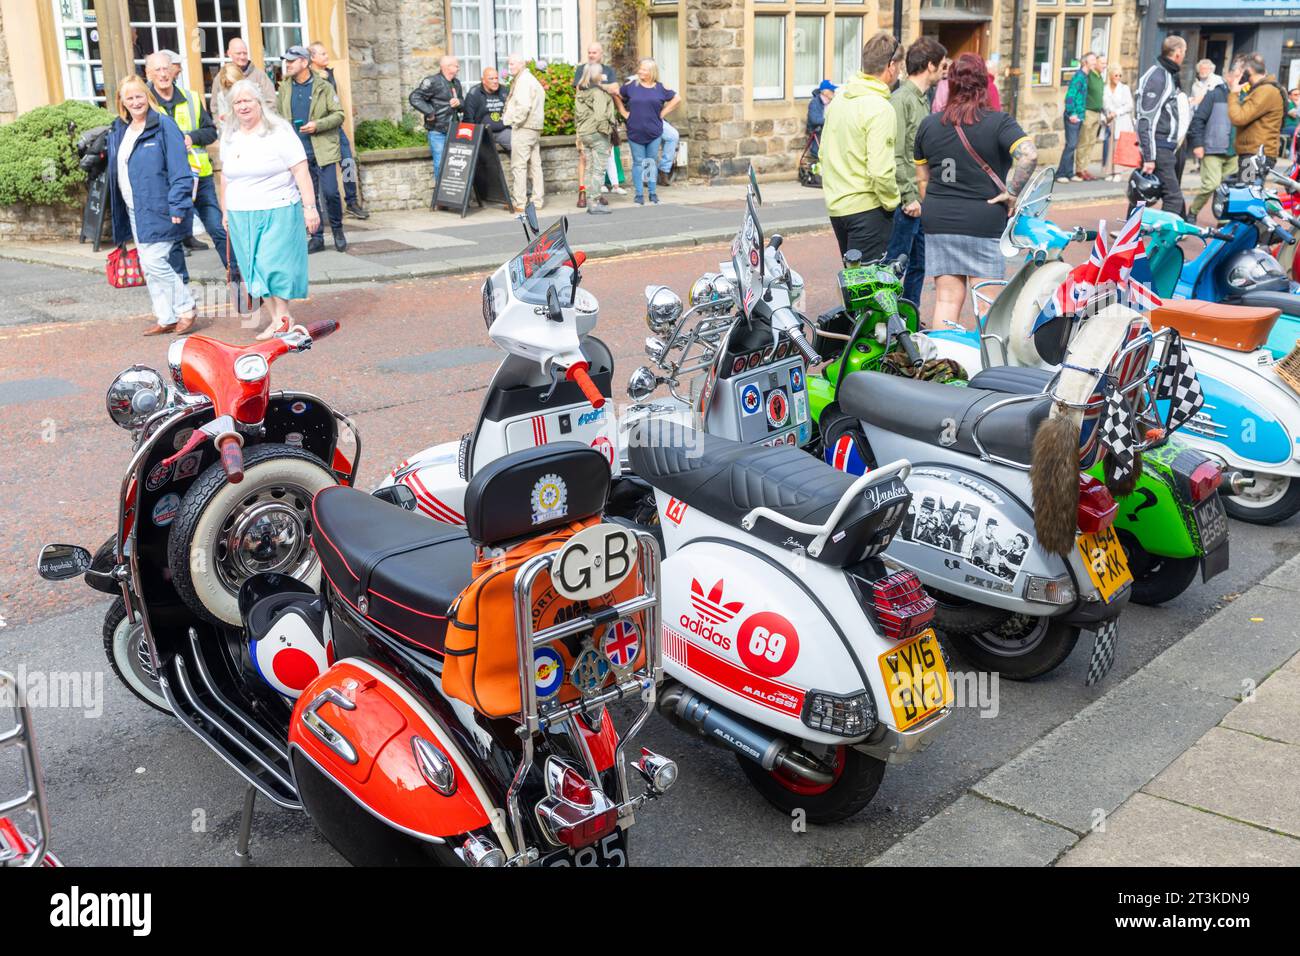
point(605, 112)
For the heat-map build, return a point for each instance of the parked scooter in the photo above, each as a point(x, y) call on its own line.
point(27, 813)
point(786, 640)
point(1171, 525)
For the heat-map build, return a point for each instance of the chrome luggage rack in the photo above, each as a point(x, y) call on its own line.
point(705, 337)
point(639, 683)
point(30, 851)
point(1140, 392)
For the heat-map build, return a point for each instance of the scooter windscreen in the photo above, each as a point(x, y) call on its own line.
point(747, 256)
point(544, 262)
point(1032, 204)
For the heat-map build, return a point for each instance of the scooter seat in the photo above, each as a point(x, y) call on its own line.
point(397, 569)
point(1013, 379)
point(918, 410)
point(727, 479)
point(1241, 328)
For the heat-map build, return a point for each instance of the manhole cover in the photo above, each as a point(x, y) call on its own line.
point(375, 247)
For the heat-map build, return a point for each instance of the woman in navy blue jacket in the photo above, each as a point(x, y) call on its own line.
point(151, 192)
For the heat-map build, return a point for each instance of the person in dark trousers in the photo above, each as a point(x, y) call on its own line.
point(1211, 140)
point(313, 106)
point(185, 107)
point(923, 62)
point(1076, 108)
point(440, 100)
point(824, 93)
point(1158, 125)
point(484, 105)
point(320, 62)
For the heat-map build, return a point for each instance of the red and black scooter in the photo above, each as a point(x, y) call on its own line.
point(324, 692)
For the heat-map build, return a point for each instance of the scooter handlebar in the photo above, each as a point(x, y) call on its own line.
point(318, 330)
point(232, 459)
point(810, 354)
point(578, 374)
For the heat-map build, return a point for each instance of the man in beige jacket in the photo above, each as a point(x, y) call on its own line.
point(525, 108)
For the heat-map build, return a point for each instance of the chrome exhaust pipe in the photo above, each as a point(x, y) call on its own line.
point(694, 712)
point(1236, 483)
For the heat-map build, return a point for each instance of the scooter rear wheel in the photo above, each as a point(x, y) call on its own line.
point(856, 779)
point(1269, 503)
point(1017, 646)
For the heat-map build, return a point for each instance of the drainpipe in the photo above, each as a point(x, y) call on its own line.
point(898, 20)
point(1016, 72)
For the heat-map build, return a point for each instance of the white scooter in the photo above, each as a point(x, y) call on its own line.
point(786, 639)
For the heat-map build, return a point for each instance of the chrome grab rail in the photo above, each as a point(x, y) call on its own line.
point(33, 801)
point(821, 532)
point(641, 682)
point(977, 297)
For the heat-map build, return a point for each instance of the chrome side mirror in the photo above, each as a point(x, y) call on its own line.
point(663, 307)
point(642, 384)
point(59, 562)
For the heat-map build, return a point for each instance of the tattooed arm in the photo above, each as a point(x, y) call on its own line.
point(1024, 158)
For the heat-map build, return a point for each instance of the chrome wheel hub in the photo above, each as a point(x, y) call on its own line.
point(267, 531)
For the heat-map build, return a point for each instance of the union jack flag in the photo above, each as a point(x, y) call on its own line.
point(1118, 258)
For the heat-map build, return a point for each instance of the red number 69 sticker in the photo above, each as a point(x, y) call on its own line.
point(768, 644)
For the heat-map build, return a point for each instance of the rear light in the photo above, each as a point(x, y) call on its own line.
point(844, 716)
point(576, 813)
point(900, 606)
point(1205, 480)
point(1097, 507)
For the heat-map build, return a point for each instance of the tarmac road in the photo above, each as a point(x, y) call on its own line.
point(131, 786)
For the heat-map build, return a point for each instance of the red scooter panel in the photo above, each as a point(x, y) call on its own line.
point(368, 749)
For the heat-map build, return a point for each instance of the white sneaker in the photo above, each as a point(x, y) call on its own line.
point(604, 189)
point(619, 191)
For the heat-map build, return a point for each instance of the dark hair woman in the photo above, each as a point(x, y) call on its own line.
point(971, 163)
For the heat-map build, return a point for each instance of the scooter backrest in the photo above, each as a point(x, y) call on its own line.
point(534, 491)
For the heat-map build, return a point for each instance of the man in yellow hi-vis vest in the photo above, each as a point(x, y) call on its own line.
point(187, 109)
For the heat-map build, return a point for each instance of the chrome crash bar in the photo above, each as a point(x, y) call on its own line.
point(25, 854)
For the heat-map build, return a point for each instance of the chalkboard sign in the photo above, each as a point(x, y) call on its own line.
point(470, 164)
point(92, 216)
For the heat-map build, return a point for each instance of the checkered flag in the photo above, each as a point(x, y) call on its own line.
point(1103, 651)
point(1117, 432)
point(1179, 385)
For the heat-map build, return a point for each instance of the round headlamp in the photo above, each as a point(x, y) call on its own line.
point(134, 395)
point(663, 307)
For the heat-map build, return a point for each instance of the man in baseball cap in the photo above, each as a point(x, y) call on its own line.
point(308, 101)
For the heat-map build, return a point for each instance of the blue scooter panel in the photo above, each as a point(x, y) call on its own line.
point(1243, 425)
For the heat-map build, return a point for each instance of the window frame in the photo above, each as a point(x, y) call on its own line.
point(801, 91)
point(1053, 38)
point(770, 93)
point(489, 55)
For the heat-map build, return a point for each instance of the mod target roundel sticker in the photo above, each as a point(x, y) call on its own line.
point(768, 644)
point(548, 671)
point(778, 408)
point(750, 399)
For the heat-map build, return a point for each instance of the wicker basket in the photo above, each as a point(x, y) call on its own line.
point(1288, 369)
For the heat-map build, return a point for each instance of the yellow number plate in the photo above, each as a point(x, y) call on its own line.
point(916, 678)
point(1106, 562)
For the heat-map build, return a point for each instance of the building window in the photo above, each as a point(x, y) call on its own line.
point(769, 58)
point(848, 48)
point(485, 32)
point(1044, 48)
point(155, 25)
point(83, 70)
point(283, 26)
point(809, 59)
point(219, 22)
point(1100, 36)
point(665, 49)
point(1071, 47)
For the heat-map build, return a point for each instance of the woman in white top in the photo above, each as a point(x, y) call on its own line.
point(1117, 101)
point(263, 181)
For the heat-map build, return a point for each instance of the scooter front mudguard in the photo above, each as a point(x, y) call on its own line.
point(365, 751)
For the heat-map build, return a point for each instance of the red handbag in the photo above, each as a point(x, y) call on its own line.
point(1127, 151)
point(123, 268)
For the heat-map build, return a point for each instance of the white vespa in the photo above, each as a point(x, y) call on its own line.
point(786, 639)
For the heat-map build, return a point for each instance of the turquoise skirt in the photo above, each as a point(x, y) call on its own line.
point(270, 246)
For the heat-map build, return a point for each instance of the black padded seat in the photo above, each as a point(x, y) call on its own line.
point(919, 409)
point(726, 480)
point(408, 568)
point(1013, 379)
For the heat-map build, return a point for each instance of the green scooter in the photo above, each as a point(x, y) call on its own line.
point(1157, 523)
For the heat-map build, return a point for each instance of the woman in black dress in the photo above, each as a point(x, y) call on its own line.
point(971, 163)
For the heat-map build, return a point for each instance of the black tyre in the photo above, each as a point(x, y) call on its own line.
point(1017, 646)
point(128, 655)
point(1274, 498)
point(224, 534)
point(857, 778)
point(1156, 578)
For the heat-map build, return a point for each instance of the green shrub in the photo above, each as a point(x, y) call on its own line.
point(385, 134)
point(557, 81)
point(38, 156)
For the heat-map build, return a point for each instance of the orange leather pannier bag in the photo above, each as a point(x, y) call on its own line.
point(481, 666)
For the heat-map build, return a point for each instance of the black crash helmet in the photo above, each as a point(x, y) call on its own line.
point(1143, 187)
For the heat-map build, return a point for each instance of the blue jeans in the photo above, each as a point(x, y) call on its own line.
point(348, 167)
point(325, 183)
point(437, 143)
point(669, 141)
point(1066, 166)
point(644, 158)
point(908, 238)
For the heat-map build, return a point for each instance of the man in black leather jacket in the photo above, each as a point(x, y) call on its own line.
point(439, 99)
point(485, 103)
